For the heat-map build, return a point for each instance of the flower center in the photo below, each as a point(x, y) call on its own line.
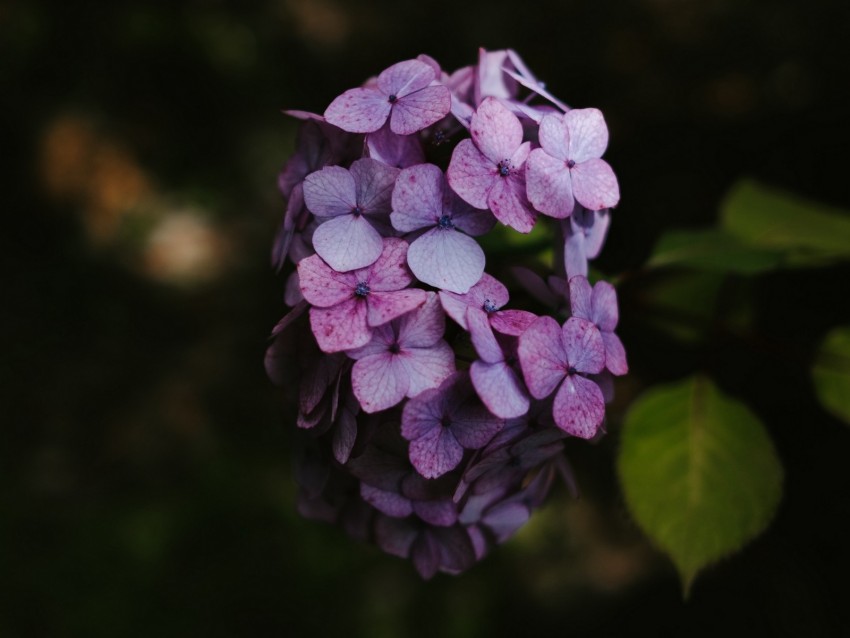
point(571, 371)
point(362, 289)
point(357, 211)
point(395, 348)
point(445, 222)
point(504, 167)
point(489, 306)
point(571, 163)
point(392, 99)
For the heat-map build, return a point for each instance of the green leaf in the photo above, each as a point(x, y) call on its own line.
point(808, 233)
point(831, 373)
point(682, 303)
point(699, 473)
point(714, 250)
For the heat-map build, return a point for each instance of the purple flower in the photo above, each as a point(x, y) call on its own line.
point(403, 93)
point(489, 294)
point(443, 257)
point(395, 150)
point(599, 305)
point(404, 357)
point(432, 549)
point(567, 167)
point(493, 375)
point(488, 171)
point(584, 234)
point(440, 423)
point(347, 306)
point(554, 358)
point(349, 199)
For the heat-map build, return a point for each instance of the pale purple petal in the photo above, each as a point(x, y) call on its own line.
point(330, 192)
point(427, 367)
point(615, 354)
point(499, 388)
point(321, 285)
point(473, 426)
point(593, 224)
point(482, 336)
point(554, 137)
point(417, 200)
point(382, 338)
point(374, 183)
point(495, 130)
point(575, 255)
point(420, 109)
point(581, 298)
point(595, 185)
point(424, 327)
point(342, 327)
point(512, 322)
point(405, 77)
point(605, 313)
point(527, 79)
point(579, 407)
point(542, 357)
point(588, 134)
point(435, 452)
point(504, 519)
point(389, 503)
point(360, 110)
point(386, 306)
point(395, 150)
point(379, 382)
point(489, 292)
point(423, 414)
point(442, 512)
point(509, 203)
point(472, 221)
point(446, 258)
point(470, 174)
point(549, 184)
point(583, 345)
point(347, 242)
point(490, 79)
point(390, 271)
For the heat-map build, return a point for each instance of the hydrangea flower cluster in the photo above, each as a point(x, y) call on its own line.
point(438, 413)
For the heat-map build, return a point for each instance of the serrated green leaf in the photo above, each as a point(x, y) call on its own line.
point(808, 233)
point(712, 249)
point(831, 373)
point(699, 473)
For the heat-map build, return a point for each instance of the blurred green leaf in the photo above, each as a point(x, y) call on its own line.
point(699, 473)
point(682, 304)
point(831, 373)
point(807, 232)
point(712, 249)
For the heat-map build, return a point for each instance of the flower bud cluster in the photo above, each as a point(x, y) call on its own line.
point(438, 412)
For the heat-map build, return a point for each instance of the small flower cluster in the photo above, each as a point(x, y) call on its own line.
point(437, 439)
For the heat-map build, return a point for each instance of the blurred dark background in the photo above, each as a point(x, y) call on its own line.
point(145, 461)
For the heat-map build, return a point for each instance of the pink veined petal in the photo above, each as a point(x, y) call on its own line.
point(420, 109)
point(389, 503)
point(400, 151)
point(470, 174)
point(554, 137)
point(417, 200)
point(342, 327)
point(583, 345)
point(473, 426)
point(499, 389)
point(382, 338)
point(374, 183)
point(423, 327)
point(347, 243)
point(542, 357)
point(488, 291)
point(405, 77)
point(386, 306)
point(436, 452)
point(390, 271)
point(379, 382)
point(446, 258)
point(605, 313)
point(595, 185)
point(427, 367)
point(495, 130)
point(581, 298)
point(579, 407)
point(549, 184)
point(330, 192)
point(482, 336)
point(490, 79)
point(508, 201)
point(422, 414)
point(360, 110)
point(588, 134)
point(615, 354)
point(321, 285)
point(512, 322)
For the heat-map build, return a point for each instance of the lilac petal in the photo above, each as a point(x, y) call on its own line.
point(446, 258)
point(360, 110)
point(499, 389)
point(386, 306)
point(588, 134)
point(554, 137)
point(472, 221)
point(527, 79)
point(489, 291)
point(347, 243)
point(428, 367)
point(495, 130)
point(345, 434)
point(595, 185)
point(508, 201)
point(542, 357)
point(382, 338)
point(417, 200)
point(604, 306)
point(490, 79)
point(470, 174)
point(615, 354)
point(456, 551)
point(421, 109)
point(330, 192)
point(583, 345)
point(482, 336)
point(581, 298)
point(425, 554)
point(436, 452)
point(321, 285)
point(579, 407)
point(423, 413)
point(389, 503)
point(374, 185)
point(474, 427)
point(549, 184)
point(390, 271)
point(399, 151)
point(593, 224)
point(504, 519)
point(405, 77)
point(575, 255)
point(424, 327)
point(442, 512)
point(379, 382)
point(512, 322)
point(342, 327)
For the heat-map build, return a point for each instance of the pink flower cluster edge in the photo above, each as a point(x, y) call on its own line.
point(435, 414)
